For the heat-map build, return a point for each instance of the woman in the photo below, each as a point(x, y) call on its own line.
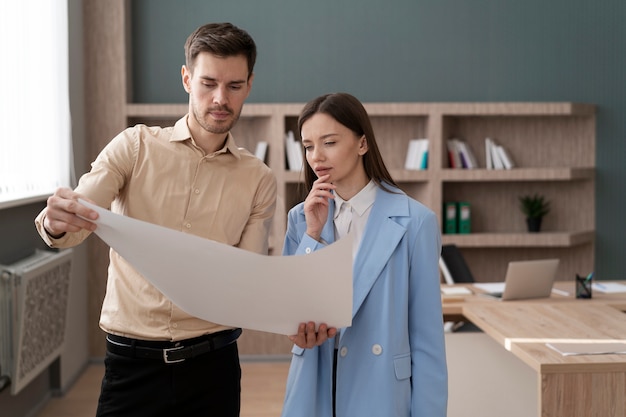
point(391, 361)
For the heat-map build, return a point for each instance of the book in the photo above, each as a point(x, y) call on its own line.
point(423, 154)
point(506, 159)
point(454, 157)
point(261, 150)
point(450, 219)
point(417, 155)
point(464, 217)
point(495, 156)
point(460, 154)
point(467, 155)
point(488, 159)
point(293, 149)
point(411, 154)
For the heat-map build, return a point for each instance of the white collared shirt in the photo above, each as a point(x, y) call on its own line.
point(361, 206)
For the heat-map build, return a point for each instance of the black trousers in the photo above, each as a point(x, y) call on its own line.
point(207, 385)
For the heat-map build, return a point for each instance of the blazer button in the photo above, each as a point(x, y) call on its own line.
point(308, 250)
point(377, 349)
point(344, 351)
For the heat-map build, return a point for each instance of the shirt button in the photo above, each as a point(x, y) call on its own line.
point(377, 349)
point(307, 250)
point(196, 191)
point(344, 351)
point(175, 325)
point(188, 225)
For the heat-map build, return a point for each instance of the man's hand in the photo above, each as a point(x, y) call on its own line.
point(65, 214)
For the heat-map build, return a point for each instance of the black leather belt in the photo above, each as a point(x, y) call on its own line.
point(171, 352)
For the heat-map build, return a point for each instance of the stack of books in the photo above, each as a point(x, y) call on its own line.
point(460, 155)
point(417, 155)
point(496, 156)
point(294, 152)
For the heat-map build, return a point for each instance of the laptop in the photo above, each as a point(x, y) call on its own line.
point(524, 280)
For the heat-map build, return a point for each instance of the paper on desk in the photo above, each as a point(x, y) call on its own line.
point(231, 286)
point(569, 349)
point(608, 287)
point(455, 290)
point(490, 287)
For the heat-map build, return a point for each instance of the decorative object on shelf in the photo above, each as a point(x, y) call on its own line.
point(534, 207)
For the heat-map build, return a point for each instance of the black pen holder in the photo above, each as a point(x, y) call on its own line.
point(583, 287)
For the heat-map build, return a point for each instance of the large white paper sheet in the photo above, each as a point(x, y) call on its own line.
point(231, 286)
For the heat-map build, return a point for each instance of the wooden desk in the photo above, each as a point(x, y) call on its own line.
point(585, 385)
point(453, 305)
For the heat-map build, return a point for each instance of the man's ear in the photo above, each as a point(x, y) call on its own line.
point(250, 79)
point(186, 78)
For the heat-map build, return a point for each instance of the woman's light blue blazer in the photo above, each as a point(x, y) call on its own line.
point(391, 362)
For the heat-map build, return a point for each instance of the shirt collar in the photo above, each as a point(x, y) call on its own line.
point(181, 133)
point(360, 202)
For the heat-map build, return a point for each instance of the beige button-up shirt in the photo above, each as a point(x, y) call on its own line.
point(160, 176)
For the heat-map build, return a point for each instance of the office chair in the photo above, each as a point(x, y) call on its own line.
point(455, 270)
point(453, 265)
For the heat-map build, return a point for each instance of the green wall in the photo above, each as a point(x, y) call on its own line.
point(421, 50)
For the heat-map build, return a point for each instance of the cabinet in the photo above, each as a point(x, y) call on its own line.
point(553, 144)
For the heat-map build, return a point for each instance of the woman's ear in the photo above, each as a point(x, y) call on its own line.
point(363, 145)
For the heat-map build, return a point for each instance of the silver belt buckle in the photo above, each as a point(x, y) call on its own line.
point(168, 350)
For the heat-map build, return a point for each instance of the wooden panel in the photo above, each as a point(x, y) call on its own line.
point(583, 394)
point(105, 101)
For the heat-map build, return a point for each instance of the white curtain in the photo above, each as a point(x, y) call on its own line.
point(34, 100)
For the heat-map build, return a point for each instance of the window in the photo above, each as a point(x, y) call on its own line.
point(34, 100)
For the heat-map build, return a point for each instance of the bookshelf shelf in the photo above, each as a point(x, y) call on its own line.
point(518, 174)
point(521, 240)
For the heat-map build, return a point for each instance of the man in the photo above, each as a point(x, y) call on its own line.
point(192, 178)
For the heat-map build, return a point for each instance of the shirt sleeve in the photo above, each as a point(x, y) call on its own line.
point(108, 175)
point(255, 236)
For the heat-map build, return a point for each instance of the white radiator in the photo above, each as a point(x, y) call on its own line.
point(33, 312)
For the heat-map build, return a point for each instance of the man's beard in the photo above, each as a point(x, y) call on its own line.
point(218, 128)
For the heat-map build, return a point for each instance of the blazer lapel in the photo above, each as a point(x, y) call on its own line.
point(382, 234)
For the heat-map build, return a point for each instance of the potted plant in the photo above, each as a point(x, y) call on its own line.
point(534, 208)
